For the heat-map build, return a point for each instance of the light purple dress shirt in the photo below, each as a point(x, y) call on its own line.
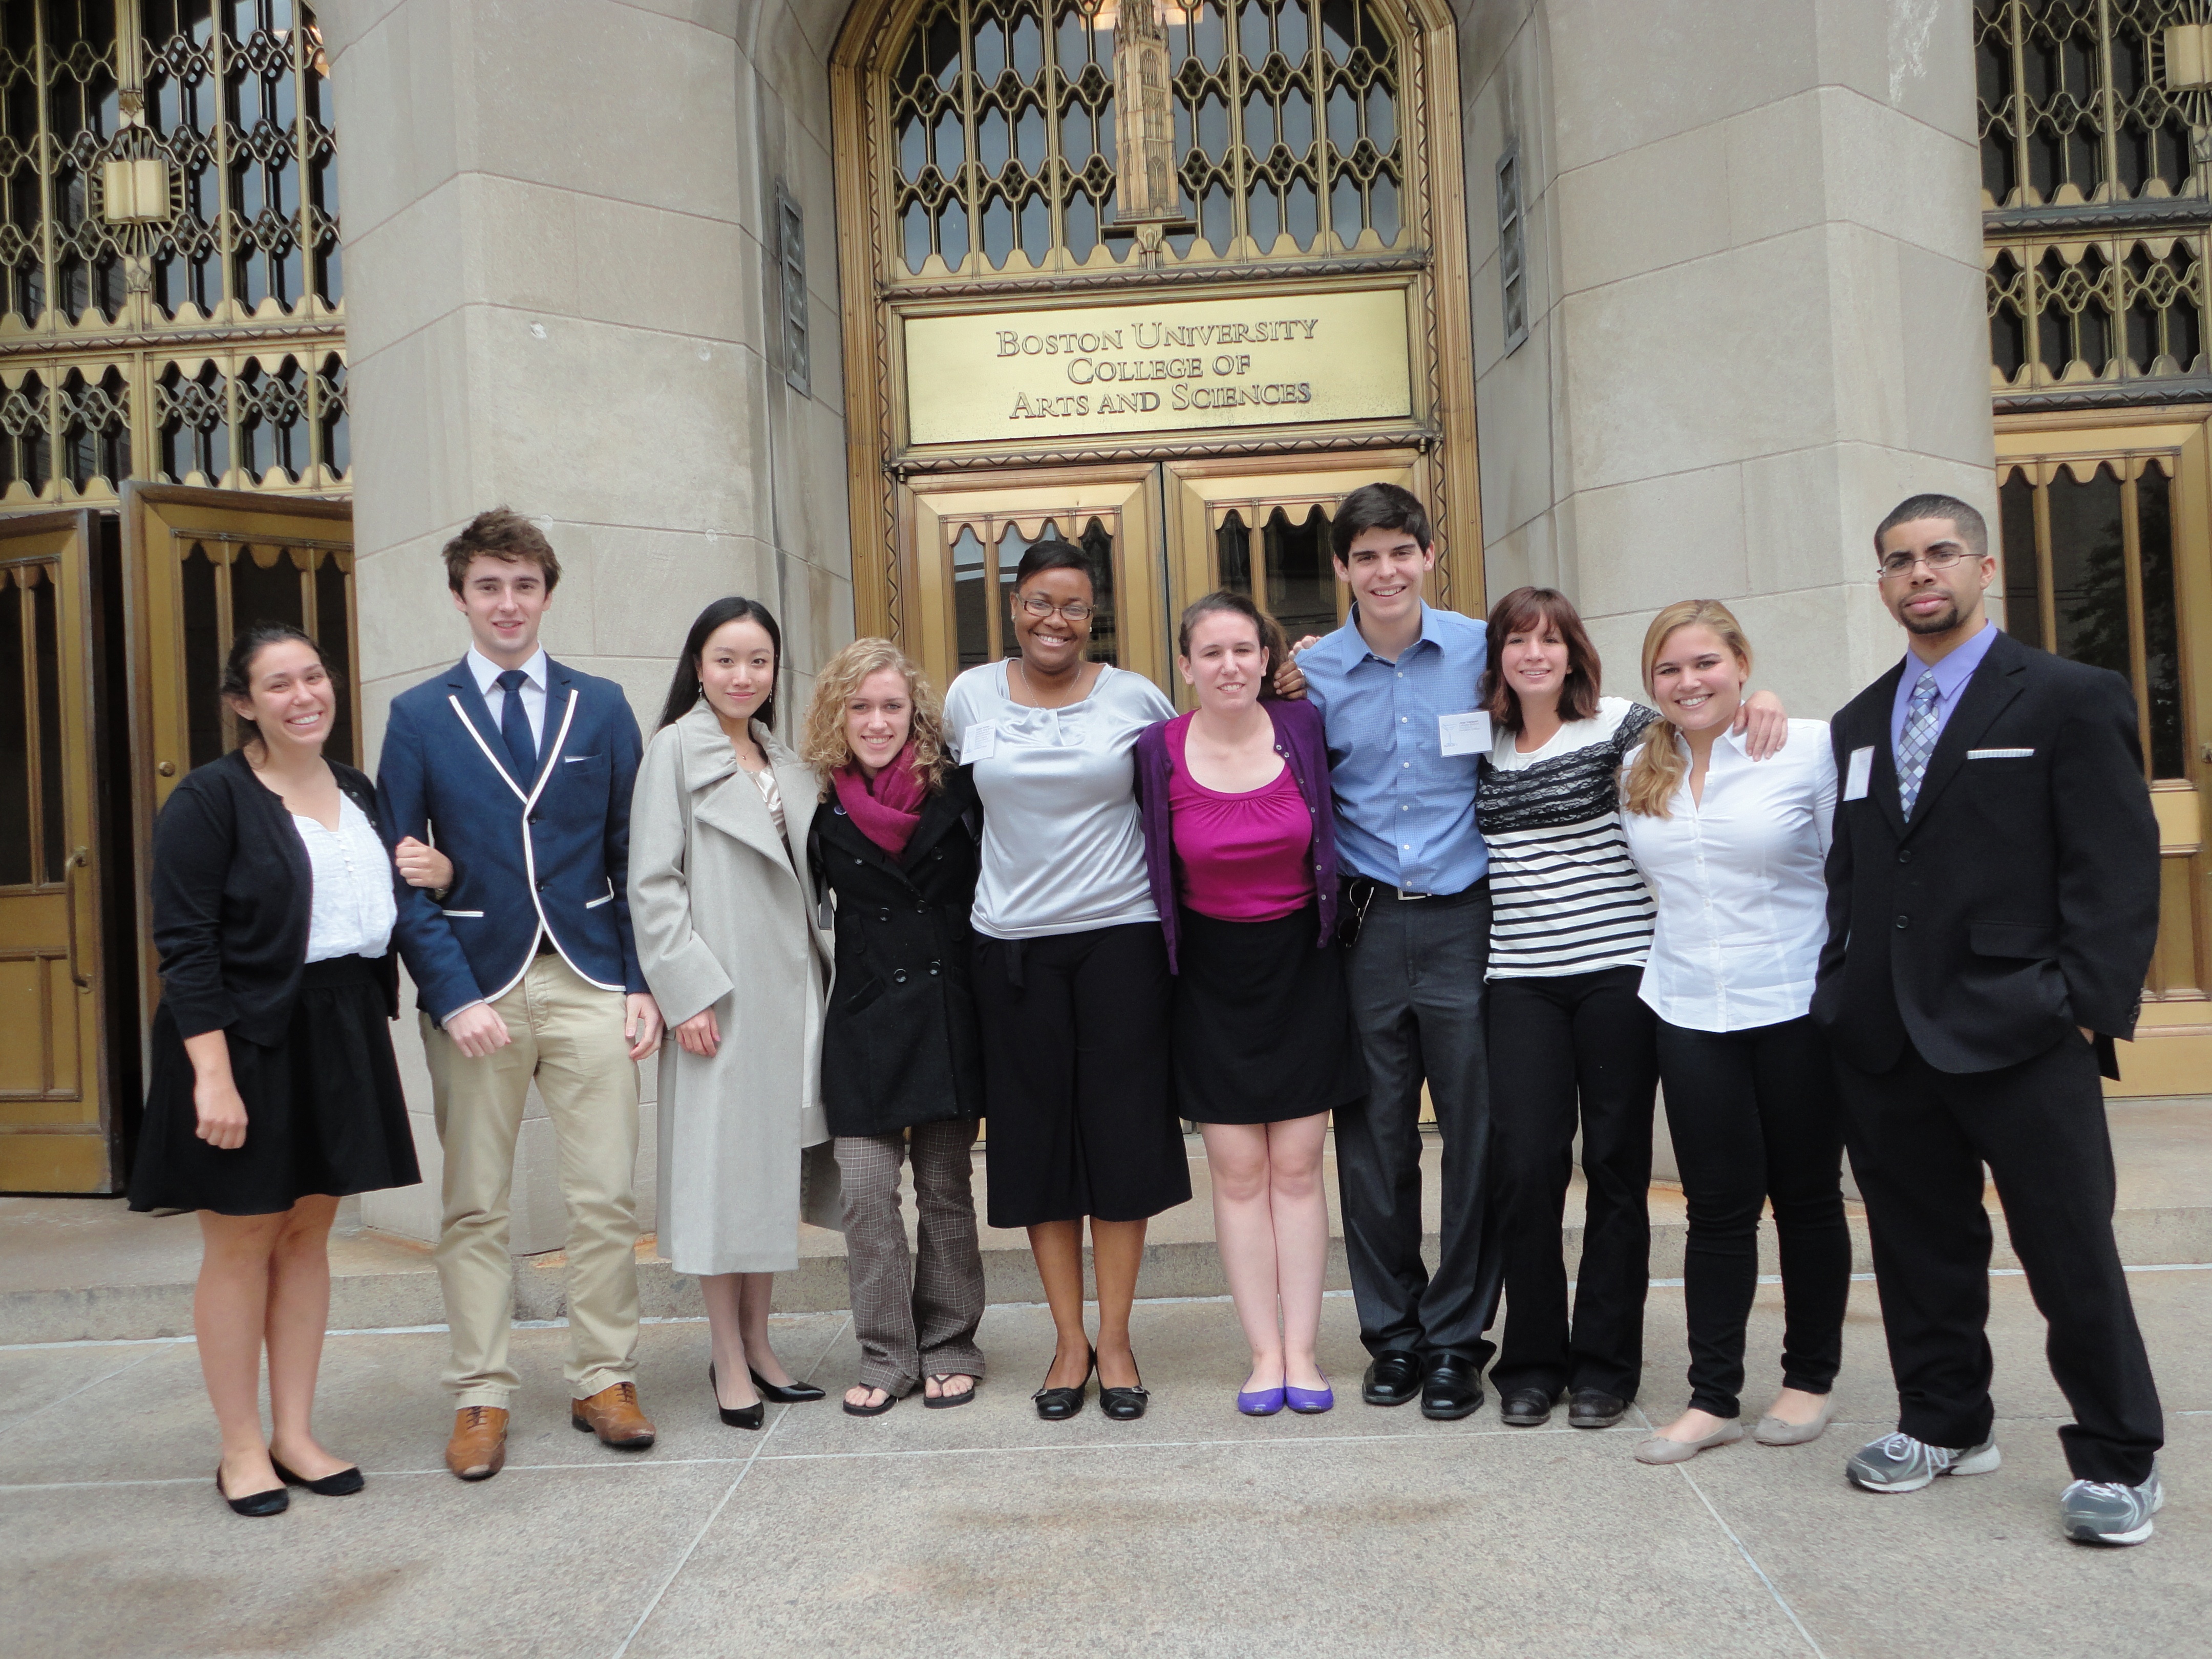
point(1951, 677)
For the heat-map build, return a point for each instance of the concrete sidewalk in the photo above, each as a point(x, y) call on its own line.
point(984, 1531)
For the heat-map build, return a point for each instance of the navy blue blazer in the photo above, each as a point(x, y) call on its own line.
point(550, 851)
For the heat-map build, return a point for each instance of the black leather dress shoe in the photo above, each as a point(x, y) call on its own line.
point(1525, 1408)
point(1593, 1409)
point(1393, 1379)
point(1452, 1389)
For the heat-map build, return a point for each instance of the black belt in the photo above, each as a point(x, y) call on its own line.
point(1374, 890)
point(546, 946)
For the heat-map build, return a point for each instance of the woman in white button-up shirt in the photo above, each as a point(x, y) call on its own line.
point(1733, 852)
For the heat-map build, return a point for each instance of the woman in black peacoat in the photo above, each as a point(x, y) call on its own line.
point(896, 842)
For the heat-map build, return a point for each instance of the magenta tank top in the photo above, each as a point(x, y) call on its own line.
point(1243, 857)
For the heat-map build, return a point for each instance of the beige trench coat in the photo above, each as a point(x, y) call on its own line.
point(723, 912)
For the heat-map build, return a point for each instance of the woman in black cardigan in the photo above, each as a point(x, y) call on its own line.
point(895, 838)
point(273, 1091)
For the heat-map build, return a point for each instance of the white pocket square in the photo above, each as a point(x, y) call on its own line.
point(1999, 754)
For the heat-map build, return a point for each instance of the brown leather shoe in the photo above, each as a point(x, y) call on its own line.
point(612, 1414)
point(478, 1451)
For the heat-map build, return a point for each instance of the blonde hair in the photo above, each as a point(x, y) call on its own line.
point(821, 741)
point(1659, 766)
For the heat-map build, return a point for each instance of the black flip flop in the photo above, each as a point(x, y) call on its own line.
point(941, 1402)
point(890, 1400)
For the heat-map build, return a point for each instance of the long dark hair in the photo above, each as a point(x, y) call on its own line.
point(1527, 610)
point(684, 689)
point(238, 668)
point(1272, 639)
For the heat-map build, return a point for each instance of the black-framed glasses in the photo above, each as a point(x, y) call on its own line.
point(1038, 605)
point(1898, 564)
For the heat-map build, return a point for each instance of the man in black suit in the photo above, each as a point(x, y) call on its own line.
point(1992, 906)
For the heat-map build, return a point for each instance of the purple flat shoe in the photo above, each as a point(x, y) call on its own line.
point(1261, 1402)
point(1309, 1402)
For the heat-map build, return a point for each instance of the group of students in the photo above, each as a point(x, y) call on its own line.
point(1423, 856)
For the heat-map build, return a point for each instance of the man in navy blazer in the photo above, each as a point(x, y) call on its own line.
point(519, 769)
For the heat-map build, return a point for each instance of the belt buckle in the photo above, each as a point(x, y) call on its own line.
point(1404, 897)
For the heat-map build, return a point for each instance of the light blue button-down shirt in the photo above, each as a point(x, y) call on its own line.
point(1952, 674)
point(1405, 811)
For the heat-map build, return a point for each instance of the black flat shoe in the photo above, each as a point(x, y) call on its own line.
point(745, 1417)
point(889, 1401)
point(1525, 1408)
point(944, 1402)
point(1058, 1405)
point(344, 1484)
point(1593, 1409)
point(274, 1501)
point(1124, 1405)
point(1451, 1390)
point(1393, 1379)
point(797, 1394)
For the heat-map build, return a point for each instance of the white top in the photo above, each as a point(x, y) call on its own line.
point(1565, 895)
point(533, 690)
point(1742, 898)
point(352, 909)
point(771, 794)
point(1063, 849)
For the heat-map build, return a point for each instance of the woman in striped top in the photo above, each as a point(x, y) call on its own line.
point(1570, 1044)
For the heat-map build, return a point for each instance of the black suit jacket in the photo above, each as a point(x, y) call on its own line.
point(2021, 901)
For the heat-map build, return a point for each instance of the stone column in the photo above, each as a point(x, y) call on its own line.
point(1756, 314)
point(563, 296)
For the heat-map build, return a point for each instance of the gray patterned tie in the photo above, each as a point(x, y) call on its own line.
point(1917, 742)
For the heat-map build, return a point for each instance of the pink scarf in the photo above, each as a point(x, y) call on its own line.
point(887, 808)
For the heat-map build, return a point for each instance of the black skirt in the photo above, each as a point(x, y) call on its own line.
point(1263, 1029)
point(324, 1111)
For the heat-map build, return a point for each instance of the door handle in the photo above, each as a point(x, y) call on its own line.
point(77, 861)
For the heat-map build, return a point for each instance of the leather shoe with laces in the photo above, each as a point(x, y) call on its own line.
point(1393, 1379)
point(1593, 1409)
point(612, 1414)
point(1525, 1408)
point(1452, 1389)
point(478, 1451)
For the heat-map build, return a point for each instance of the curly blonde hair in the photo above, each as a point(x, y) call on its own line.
point(1660, 766)
point(821, 741)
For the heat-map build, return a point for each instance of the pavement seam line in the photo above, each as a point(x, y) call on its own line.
point(1750, 1561)
point(16, 1422)
point(715, 1514)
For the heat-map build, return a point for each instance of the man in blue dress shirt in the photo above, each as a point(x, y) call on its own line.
point(1388, 685)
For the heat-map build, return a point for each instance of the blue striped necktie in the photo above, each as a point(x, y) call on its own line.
point(1917, 742)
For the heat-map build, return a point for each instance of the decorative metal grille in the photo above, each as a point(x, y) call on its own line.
point(2125, 308)
point(1287, 134)
point(193, 329)
point(791, 252)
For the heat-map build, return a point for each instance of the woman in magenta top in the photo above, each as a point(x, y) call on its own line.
point(1241, 848)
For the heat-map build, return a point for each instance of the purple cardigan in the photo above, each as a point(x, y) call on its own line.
point(1298, 741)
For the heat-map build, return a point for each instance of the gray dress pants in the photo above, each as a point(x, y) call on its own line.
point(913, 1319)
point(1416, 983)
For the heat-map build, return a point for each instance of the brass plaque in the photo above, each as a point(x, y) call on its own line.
point(1157, 366)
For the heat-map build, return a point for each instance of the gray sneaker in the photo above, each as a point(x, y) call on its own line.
point(2106, 1512)
point(1898, 1462)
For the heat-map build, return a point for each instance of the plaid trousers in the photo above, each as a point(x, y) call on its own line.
point(913, 1319)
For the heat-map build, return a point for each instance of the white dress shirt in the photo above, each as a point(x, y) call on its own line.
point(534, 691)
point(1738, 881)
point(352, 909)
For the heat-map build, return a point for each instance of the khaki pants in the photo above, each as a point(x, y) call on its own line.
point(568, 1034)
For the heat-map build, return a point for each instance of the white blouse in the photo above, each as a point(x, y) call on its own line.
point(1738, 880)
point(353, 909)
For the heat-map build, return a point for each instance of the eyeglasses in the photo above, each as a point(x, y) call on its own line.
point(1038, 605)
point(1898, 564)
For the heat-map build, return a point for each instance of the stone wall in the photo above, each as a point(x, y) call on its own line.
point(562, 296)
point(1756, 311)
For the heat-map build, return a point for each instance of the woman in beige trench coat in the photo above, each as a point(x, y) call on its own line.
point(719, 900)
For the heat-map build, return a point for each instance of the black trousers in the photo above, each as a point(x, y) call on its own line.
point(1918, 1138)
point(1415, 980)
point(1754, 1116)
point(1574, 1049)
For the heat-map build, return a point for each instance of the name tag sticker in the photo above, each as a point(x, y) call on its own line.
point(1999, 754)
point(1463, 734)
point(979, 743)
point(1861, 774)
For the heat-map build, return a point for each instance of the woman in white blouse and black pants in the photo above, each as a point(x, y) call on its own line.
point(1733, 852)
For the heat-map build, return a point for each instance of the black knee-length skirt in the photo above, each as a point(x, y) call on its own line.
point(1262, 1029)
point(324, 1111)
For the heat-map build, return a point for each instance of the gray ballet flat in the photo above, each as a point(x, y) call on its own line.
point(1773, 1432)
point(1659, 1449)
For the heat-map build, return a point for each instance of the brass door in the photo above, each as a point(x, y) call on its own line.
point(54, 1108)
point(197, 565)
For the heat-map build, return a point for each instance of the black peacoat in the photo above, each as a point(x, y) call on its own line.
point(901, 1046)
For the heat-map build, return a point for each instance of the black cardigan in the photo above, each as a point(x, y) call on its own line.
point(232, 897)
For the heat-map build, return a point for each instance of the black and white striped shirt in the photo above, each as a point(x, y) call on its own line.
point(1565, 897)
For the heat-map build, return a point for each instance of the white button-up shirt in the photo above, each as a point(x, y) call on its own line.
point(353, 906)
point(537, 674)
point(1738, 881)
